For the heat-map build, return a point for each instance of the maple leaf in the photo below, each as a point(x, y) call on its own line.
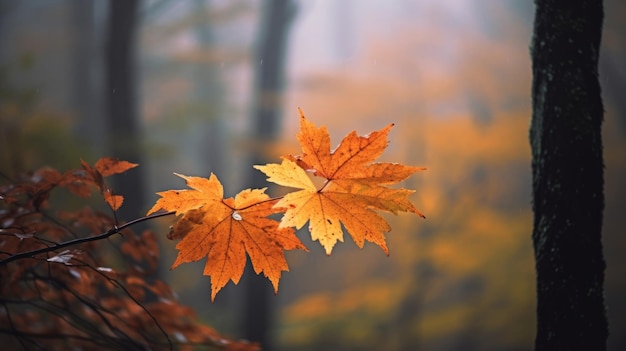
point(224, 230)
point(354, 186)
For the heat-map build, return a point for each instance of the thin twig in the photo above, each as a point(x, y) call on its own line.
point(74, 242)
point(137, 302)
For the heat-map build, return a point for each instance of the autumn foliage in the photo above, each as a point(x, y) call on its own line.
point(65, 287)
point(224, 230)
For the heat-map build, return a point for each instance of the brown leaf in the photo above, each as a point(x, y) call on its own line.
point(108, 166)
point(114, 201)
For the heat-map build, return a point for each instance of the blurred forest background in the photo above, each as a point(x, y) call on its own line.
point(213, 86)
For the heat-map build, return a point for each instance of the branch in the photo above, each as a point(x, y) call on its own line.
point(105, 235)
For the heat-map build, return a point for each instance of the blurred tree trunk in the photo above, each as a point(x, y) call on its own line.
point(207, 102)
point(615, 86)
point(123, 130)
point(86, 73)
point(567, 166)
point(266, 121)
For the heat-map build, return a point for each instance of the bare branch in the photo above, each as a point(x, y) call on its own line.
point(74, 242)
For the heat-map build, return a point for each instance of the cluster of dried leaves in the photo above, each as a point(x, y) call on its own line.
point(61, 290)
point(225, 230)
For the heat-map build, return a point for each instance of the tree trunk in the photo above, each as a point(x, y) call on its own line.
point(209, 137)
point(567, 167)
point(87, 74)
point(123, 130)
point(266, 120)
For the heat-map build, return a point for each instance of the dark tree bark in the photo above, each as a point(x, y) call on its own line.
point(123, 128)
point(567, 167)
point(266, 120)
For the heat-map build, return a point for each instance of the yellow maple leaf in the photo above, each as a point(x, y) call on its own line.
point(354, 186)
point(224, 230)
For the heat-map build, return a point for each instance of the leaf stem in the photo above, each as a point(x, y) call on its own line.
point(114, 230)
point(258, 203)
point(324, 186)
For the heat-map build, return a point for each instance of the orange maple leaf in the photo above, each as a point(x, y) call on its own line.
point(224, 230)
point(354, 186)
